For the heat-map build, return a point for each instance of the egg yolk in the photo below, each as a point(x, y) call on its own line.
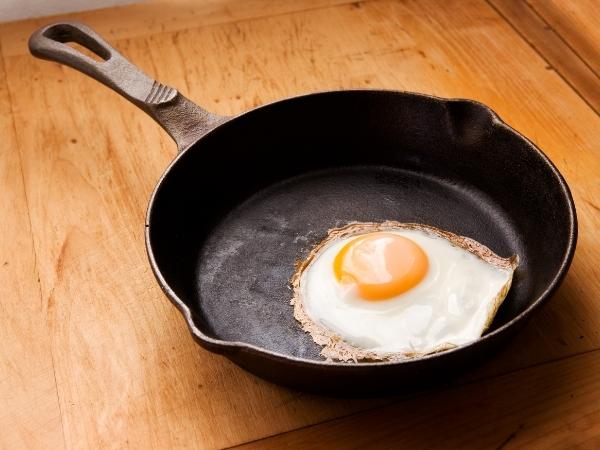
point(381, 265)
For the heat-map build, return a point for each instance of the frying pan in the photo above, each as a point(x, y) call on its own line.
point(248, 196)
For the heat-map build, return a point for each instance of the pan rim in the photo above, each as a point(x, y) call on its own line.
point(233, 347)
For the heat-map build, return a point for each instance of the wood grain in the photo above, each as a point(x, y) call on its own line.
point(30, 415)
point(542, 33)
point(155, 17)
point(546, 406)
point(127, 372)
point(577, 24)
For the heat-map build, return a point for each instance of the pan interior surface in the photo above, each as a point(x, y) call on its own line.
point(237, 211)
point(245, 265)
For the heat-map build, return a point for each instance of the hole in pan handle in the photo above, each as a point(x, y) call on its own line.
point(185, 121)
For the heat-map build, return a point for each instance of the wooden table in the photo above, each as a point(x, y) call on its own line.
point(93, 355)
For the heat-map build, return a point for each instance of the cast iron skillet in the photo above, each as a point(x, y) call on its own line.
point(248, 196)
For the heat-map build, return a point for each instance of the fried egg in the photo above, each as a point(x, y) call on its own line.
point(392, 291)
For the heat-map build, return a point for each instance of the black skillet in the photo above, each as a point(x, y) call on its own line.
point(248, 196)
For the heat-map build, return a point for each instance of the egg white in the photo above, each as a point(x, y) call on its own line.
point(451, 306)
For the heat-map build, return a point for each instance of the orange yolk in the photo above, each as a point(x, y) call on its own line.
point(381, 265)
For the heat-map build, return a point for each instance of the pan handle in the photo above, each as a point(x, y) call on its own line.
point(185, 121)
